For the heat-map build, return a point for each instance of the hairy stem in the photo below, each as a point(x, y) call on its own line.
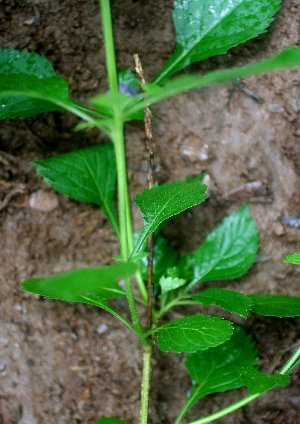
point(147, 357)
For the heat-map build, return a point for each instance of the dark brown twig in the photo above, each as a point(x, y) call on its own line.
point(149, 145)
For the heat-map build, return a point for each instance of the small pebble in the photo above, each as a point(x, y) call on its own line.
point(45, 201)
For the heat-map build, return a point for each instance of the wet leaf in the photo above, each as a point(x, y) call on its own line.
point(205, 29)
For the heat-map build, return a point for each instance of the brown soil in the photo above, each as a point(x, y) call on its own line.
point(73, 363)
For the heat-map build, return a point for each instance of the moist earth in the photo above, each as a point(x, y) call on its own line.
point(72, 363)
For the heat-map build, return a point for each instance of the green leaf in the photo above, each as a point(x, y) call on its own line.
point(192, 333)
point(230, 300)
point(258, 382)
point(72, 285)
point(217, 369)
point(161, 202)
point(287, 59)
point(205, 29)
point(228, 251)
point(170, 283)
point(128, 80)
point(164, 257)
point(275, 305)
point(21, 73)
point(293, 259)
point(106, 420)
point(88, 175)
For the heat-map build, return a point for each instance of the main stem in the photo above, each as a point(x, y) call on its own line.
point(126, 240)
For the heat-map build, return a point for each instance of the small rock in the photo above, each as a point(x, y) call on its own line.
point(274, 107)
point(194, 149)
point(45, 201)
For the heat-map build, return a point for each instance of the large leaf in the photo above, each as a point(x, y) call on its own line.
point(230, 300)
point(217, 369)
point(287, 59)
point(208, 28)
point(88, 175)
point(258, 382)
point(24, 72)
point(72, 285)
point(107, 420)
point(192, 333)
point(293, 259)
point(228, 251)
point(161, 202)
point(275, 305)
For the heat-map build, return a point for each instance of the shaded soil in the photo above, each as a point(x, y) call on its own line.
point(73, 363)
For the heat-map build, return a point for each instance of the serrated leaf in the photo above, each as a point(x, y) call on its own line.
point(275, 305)
point(293, 259)
point(88, 175)
point(107, 420)
point(192, 333)
point(170, 283)
point(228, 251)
point(216, 369)
point(23, 73)
point(161, 202)
point(230, 300)
point(289, 58)
point(205, 29)
point(259, 382)
point(72, 285)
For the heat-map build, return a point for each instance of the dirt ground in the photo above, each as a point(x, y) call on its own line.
point(73, 363)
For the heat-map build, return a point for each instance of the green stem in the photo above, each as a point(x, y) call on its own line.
point(147, 356)
point(291, 363)
point(109, 46)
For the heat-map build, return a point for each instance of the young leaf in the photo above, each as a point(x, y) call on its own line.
point(293, 259)
point(161, 202)
point(26, 72)
point(205, 29)
point(192, 333)
point(228, 251)
point(287, 59)
point(258, 382)
point(275, 305)
point(228, 299)
point(216, 369)
point(88, 175)
point(128, 83)
point(107, 420)
point(71, 285)
point(170, 283)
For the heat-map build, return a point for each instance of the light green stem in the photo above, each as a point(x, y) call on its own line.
point(147, 357)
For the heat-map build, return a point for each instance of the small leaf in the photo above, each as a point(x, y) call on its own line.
point(230, 300)
point(258, 382)
point(275, 305)
point(228, 251)
point(170, 283)
point(196, 332)
point(128, 83)
point(293, 259)
point(161, 202)
point(106, 420)
point(164, 257)
point(88, 175)
point(71, 285)
point(217, 369)
point(205, 29)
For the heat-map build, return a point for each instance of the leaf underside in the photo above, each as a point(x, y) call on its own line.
point(192, 333)
point(88, 175)
point(209, 28)
point(72, 285)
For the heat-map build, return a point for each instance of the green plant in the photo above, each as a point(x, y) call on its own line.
point(29, 85)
